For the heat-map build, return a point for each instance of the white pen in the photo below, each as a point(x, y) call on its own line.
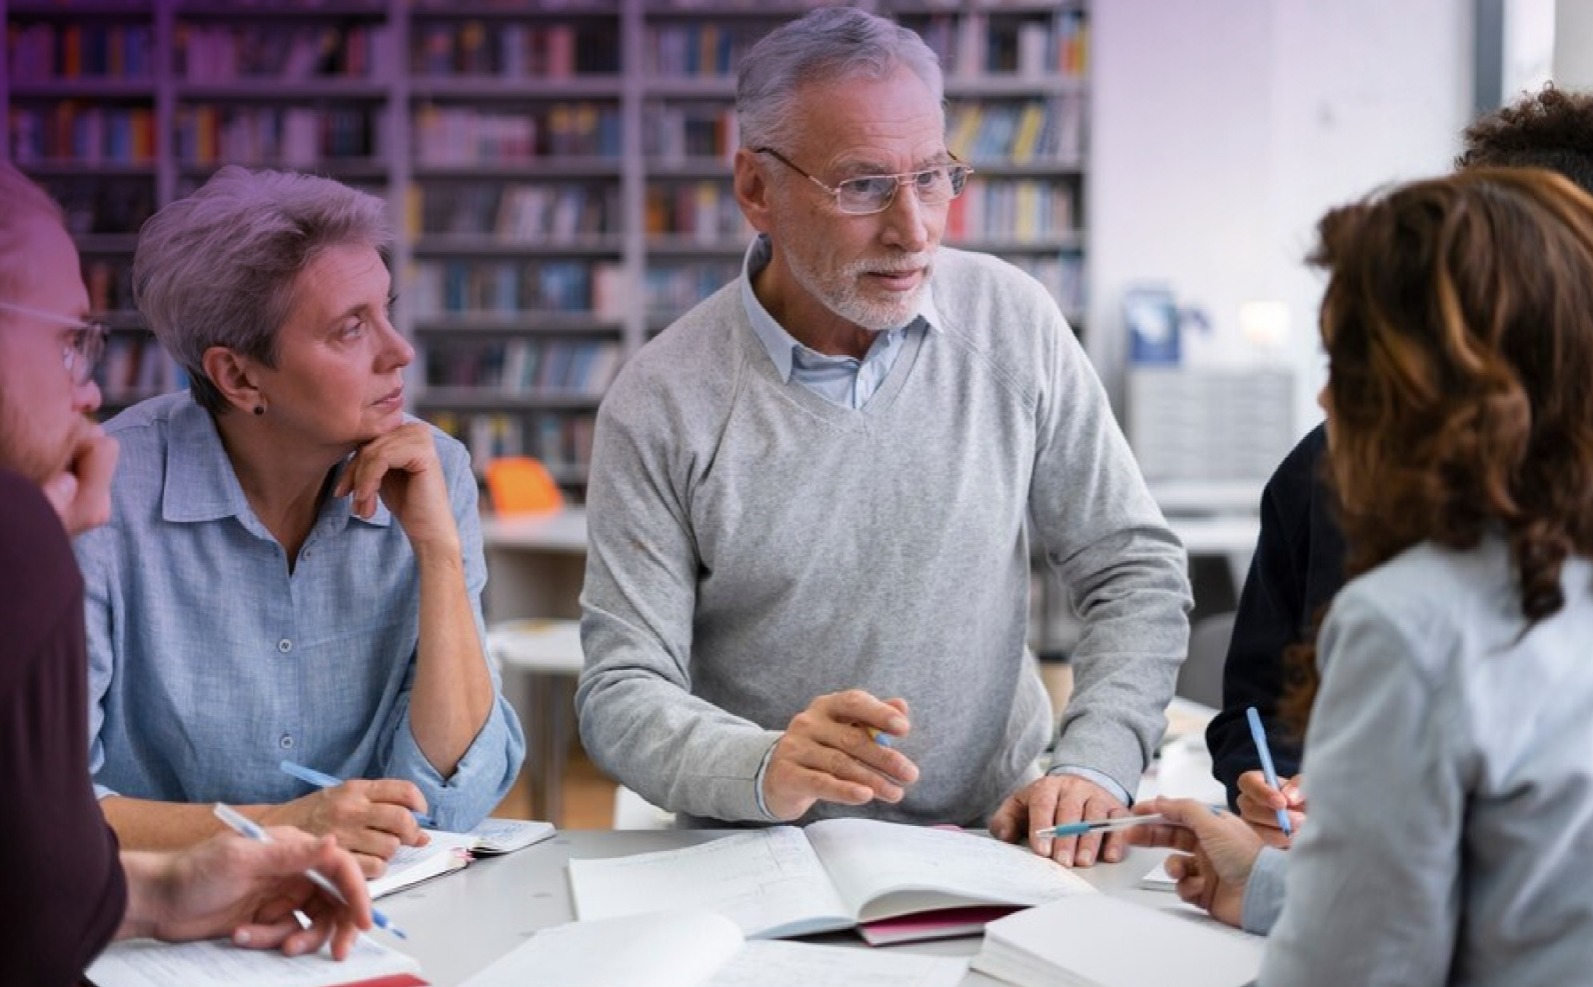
point(244, 826)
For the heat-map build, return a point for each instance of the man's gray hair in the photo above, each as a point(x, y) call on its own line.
point(219, 267)
point(22, 203)
point(825, 45)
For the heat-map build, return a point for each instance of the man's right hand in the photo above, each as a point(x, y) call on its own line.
point(828, 755)
point(371, 819)
point(81, 492)
point(1259, 803)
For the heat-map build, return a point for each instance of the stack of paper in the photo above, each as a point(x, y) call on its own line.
point(701, 949)
point(1101, 942)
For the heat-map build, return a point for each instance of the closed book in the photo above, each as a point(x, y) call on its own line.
point(1100, 941)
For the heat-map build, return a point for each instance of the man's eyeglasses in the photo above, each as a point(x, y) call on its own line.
point(870, 194)
point(84, 346)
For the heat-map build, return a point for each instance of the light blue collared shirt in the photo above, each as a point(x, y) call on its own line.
point(210, 662)
point(843, 380)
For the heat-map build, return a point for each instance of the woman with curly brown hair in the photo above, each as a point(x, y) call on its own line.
point(1299, 558)
point(1450, 766)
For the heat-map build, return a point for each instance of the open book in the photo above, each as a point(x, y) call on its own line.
point(701, 949)
point(218, 963)
point(1101, 942)
point(832, 875)
point(448, 852)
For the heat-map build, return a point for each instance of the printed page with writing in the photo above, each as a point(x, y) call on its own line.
point(448, 852)
point(785, 881)
point(218, 963)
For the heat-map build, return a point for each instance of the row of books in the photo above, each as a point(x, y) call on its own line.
point(674, 132)
point(514, 50)
point(222, 53)
point(291, 137)
point(1028, 46)
point(46, 50)
point(1063, 277)
point(582, 367)
point(562, 441)
point(135, 367)
point(705, 211)
point(700, 50)
point(1012, 210)
point(671, 289)
point(102, 204)
point(507, 288)
point(1018, 132)
point(515, 212)
point(110, 284)
point(455, 136)
point(82, 133)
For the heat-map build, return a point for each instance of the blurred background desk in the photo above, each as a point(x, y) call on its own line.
point(535, 564)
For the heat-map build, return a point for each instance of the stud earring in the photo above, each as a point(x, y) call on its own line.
point(259, 409)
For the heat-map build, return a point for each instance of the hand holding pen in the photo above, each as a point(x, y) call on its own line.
point(842, 749)
point(370, 818)
point(1269, 804)
point(351, 899)
point(321, 779)
point(1222, 852)
point(250, 891)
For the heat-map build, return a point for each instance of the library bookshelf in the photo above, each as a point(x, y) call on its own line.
point(557, 170)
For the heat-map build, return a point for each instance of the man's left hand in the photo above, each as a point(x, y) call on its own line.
point(1057, 799)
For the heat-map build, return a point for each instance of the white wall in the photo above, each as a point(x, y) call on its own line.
point(1573, 43)
point(1223, 129)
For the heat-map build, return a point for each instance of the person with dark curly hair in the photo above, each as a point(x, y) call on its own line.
point(1451, 787)
point(1299, 559)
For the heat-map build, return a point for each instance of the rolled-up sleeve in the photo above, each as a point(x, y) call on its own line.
point(488, 768)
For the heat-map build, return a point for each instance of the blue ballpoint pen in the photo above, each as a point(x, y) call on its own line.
point(1260, 737)
point(1097, 825)
point(321, 779)
point(244, 826)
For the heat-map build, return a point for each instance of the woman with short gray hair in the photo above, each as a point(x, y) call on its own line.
point(293, 568)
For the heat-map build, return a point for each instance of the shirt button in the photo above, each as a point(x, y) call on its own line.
point(284, 645)
point(286, 743)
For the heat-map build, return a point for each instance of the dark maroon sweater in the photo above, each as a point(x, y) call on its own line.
point(62, 891)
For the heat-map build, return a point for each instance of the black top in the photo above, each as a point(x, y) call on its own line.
point(1297, 568)
point(62, 891)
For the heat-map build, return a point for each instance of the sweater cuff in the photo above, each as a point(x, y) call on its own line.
point(1090, 774)
point(757, 783)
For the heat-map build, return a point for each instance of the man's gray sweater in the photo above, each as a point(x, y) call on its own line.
point(753, 546)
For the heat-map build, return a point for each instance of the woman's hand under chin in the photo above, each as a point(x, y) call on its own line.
point(403, 469)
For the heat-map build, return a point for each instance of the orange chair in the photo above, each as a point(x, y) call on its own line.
point(521, 485)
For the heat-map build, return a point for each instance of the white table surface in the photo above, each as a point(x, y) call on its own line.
point(461, 923)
